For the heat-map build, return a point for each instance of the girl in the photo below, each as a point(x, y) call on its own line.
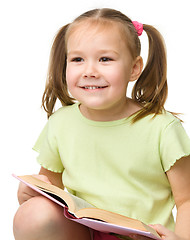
point(101, 145)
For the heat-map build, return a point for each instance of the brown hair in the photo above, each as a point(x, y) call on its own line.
point(150, 90)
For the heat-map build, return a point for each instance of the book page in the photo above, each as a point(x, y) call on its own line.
point(80, 203)
point(127, 225)
point(74, 203)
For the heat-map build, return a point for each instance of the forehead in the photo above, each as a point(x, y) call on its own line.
point(94, 30)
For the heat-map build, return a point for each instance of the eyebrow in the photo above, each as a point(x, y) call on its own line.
point(102, 51)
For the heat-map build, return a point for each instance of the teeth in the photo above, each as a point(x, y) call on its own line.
point(92, 87)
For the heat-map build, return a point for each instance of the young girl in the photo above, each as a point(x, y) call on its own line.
point(102, 146)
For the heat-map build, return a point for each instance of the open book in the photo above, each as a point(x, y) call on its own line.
point(82, 212)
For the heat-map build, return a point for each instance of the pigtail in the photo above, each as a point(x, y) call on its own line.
point(56, 86)
point(151, 88)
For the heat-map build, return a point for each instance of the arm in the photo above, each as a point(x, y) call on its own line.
point(54, 178)
point(25, 193)
point(179, 178)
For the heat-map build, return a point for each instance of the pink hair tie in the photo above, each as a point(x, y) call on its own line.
point(139, 27)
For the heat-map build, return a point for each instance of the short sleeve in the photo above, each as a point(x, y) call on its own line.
point(174, 144)
point(47, 147)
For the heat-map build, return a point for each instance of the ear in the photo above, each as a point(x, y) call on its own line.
point(136, 68)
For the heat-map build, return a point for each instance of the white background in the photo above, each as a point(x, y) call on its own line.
point(27, 29)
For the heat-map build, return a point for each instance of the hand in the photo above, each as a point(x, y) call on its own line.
point(25, 192)
point(164, 233)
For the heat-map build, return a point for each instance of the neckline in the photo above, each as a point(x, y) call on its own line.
point(103, 123)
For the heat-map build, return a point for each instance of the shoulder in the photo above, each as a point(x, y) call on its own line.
point(163, 119)
point(157, 124)
point(63, 118)
point(65, 112)
point(167, 118)
point(169, 126)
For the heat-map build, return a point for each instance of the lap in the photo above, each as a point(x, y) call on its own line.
point(43, 217)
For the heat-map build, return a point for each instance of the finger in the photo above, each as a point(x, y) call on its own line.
point(28, 195)
point(162, 231)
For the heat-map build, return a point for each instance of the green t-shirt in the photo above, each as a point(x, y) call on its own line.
point(116, 165)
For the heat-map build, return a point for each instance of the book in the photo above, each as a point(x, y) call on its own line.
point(78, 210)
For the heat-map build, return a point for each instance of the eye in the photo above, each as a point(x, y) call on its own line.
point(105, 59)
point(77, 59)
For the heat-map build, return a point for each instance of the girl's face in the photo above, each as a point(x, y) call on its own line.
point(99, 67)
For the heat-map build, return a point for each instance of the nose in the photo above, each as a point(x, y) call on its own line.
point(90, 71)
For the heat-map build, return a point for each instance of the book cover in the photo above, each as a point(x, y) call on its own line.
point(121, 225)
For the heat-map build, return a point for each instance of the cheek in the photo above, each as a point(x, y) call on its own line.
point(110, 73)
point(70, 76)
point(117, 76)
point(68, 73)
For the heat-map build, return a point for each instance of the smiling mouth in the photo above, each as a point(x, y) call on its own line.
point(93, 87)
